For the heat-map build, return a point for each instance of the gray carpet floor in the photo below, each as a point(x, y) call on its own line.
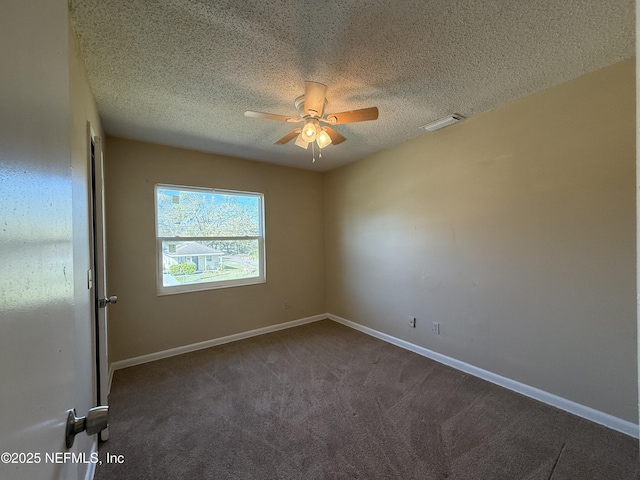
point(323, 401)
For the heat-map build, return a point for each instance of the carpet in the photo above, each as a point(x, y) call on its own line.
point(323, 401)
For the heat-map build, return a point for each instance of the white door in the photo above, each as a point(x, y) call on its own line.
point(40, 352)
point(98, 252)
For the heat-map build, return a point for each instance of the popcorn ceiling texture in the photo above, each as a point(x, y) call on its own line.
point(182, 72)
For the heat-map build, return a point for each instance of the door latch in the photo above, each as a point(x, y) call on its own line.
point(103, 302)
point(97, 419)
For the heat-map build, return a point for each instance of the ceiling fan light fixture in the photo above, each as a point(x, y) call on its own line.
point(323, 138)
point(309, 131)
point(301, 142)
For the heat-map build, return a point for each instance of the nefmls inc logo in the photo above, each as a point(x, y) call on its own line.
point(71, 457)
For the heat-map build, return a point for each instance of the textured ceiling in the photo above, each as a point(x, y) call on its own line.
point(182, 72)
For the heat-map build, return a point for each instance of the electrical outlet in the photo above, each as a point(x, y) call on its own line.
point(435, 328)
point(286, 305)
point(412, 321)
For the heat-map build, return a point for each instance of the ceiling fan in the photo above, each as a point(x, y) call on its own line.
point(311, 106)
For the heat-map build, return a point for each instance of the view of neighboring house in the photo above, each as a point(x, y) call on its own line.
point(204, 257)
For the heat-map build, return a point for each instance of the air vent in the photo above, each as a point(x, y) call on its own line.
point(442, 122)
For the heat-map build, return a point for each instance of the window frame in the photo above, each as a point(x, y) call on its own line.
point(214, 285)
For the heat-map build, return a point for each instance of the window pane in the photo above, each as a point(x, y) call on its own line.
point(188, 213)
point(193, 262)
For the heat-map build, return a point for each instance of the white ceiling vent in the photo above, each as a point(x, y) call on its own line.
point(442, 122)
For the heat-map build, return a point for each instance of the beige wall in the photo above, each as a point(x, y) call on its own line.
point(515, 230)
point(142, 322)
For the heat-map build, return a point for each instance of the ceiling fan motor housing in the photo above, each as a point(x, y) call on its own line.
point(299, 104)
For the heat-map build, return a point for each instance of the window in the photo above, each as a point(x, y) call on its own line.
point(208, 238)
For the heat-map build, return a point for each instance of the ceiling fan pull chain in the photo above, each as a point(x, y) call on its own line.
point(313, 149)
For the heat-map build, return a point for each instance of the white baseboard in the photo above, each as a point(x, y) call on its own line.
point(583, 411)
point(208, 343)
point(570, 406)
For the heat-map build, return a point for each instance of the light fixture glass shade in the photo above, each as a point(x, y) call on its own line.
point(301, 142)
point(309, 131)
point(323, 138)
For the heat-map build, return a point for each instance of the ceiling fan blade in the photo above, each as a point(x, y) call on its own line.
point(314, 98)
point(270, 116)
point(336, 138)
point(351, 116)
point(288, 137)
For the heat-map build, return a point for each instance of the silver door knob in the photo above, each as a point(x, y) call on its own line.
point(103, 302)
point(97, 419)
